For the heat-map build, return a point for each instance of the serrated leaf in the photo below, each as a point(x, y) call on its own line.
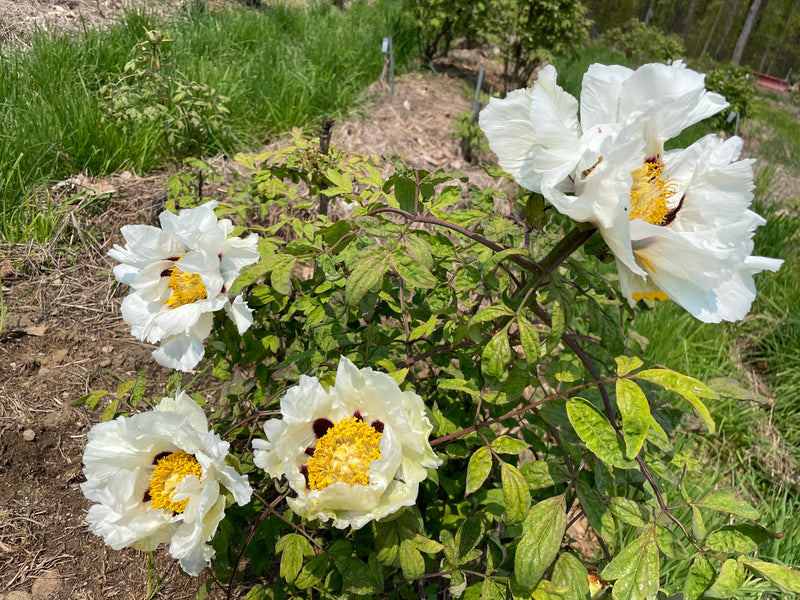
point(364, 276)
point(690, 388)
point(292, 548)
point(784, 577)
point(730, 579)
point(635, 569)
point(725, 501)
point(508, 445)
point(635, 411)
point(570, 573)
point(110, 411)
point(137, 393)
point(478, 469)
point(543, 529)
point(737, 538)
point(411, 562)
point(597, 433)
point(699, 578)
point(626, 364)
point(496, 355)
point(516, 495)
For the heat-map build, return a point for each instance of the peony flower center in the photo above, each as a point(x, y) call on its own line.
point(186, 287)
point(344, 454)
point(167, 474)
point(650, 194)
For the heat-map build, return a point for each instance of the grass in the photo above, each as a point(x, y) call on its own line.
point(279, 67)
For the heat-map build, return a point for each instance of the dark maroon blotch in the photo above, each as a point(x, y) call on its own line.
point(321, 426)
point(357, 415)
point(673, 213)
point(159, 456)
point(377, 426)
point(310, 450)
point(304, 473)
point(147, 497)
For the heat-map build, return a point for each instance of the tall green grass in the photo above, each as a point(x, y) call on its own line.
point(280, 67)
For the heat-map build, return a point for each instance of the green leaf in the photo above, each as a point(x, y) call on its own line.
point(137, 393)
point(547, 590)
point(698, 525)
point(570, 573)
point(784, 577)
point(688, 387)
point(730, 579)
point(359, 578)
point(413, 272)
point(635, 569)
point(508, 445)
point(626, 364)
point(292, 547)
point(469, 535)
point(725, 501)
point(365, 276)
point(596, 510)
point(516, 495)
point(543, 529)
point(543, 473)
point(280, 278)
point(700, 576)
point(529, 338)
point(496, 355)
point(110, 410)
point(737, 538)
point(635, 411)
point(491, 313)
point(597, 433)
point(313, 572)
point(478, 469)
point(630, 512)
point(669, 544)
point(411, 561)
point(125, 387)
point(91, 400)
point(458, 385)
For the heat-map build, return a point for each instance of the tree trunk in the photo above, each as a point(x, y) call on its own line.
point(713, 29)
point(687, 21)
point(741, 43)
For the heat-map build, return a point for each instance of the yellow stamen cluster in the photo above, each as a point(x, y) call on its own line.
point(650, 296)
point(344, 454)
point(186, 287)
point(167, 474)
point(650, 193)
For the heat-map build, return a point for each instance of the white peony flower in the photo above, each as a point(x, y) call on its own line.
point(355, 453)
point(159, 477)
point(678, 222)
point(179, 275)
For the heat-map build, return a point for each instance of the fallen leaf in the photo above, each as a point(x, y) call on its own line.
point(37, 330)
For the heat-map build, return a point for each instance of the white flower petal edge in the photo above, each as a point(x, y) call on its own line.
point(119, 462)
point(677, 222)
point(179, 275)
point(373, 404)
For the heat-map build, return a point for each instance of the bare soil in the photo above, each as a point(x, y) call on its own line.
point(64, 337)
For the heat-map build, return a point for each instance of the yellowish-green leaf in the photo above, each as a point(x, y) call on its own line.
point(597, 433)
point(635, 569)
point(516, 495)
point(635, 411)
point(725, 501)
point(730, 579)
point(110, 410)
point(543, 531)
point(626, 364)
point(700, 576)
point(570, 573)
point(496, 355)
point(478, 469)
point(690, 388)
point(784, 577)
